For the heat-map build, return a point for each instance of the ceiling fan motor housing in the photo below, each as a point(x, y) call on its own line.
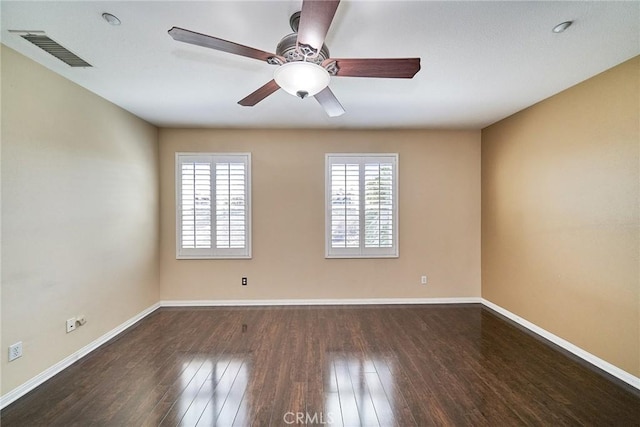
point(287, 49)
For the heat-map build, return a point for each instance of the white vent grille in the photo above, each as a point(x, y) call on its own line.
point(55, 49)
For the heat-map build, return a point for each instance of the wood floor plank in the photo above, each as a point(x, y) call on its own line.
point(346, 393)
point(315, 361)
point(224, 400)
point(381, 404)
point(194, 379)
point(242, 416)
point(291, 381)
point(333, 365)
point(402, 412)
point(268, 357)
point(169, 393)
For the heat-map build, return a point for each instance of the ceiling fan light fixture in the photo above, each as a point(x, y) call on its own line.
point(301, 78)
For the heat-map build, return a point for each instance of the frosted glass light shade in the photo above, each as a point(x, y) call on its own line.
point(299, 77)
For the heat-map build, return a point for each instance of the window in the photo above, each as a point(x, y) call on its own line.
point(361, 205)
point(213, 205)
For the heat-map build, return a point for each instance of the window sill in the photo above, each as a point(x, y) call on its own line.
point(360, 256)
point(182, 257)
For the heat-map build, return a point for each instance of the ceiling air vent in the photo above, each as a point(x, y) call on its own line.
point(55, 49)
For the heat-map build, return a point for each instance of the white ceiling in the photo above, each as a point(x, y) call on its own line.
point(481, 61)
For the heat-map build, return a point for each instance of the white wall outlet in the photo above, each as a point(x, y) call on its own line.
point(71, 324)
point(423, 280)
point(15, 351)
point(81, 320)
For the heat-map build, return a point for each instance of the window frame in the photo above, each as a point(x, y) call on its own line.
point(362, 251)
point(213, 252)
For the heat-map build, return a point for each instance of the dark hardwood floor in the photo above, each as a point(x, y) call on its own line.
point(353, 366)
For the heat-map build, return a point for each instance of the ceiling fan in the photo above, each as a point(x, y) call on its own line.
point(304, 65)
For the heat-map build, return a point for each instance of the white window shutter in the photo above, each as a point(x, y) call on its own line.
point(361, 205)
point(378, 206)
point(196, 205)
point(345, 205)
point(213, 215)
point(231, 228)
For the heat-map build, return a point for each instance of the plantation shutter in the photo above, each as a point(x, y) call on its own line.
point(378, 207)
point(345, 205)
point(361, 205)
point(230, 205)
point(213, 205)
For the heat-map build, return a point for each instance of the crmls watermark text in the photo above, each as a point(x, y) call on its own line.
point(308, 418)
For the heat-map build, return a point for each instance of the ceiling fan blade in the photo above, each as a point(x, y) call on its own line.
point(260, 94)
point(329, 102)
point(191, 37)
point(400, 68)
point(315, 20)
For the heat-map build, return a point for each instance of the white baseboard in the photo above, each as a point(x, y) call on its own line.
point(34, 382)
point(583, 354)
point(359, 301)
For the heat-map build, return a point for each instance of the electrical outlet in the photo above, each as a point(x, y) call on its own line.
point(71, 324)
point(15, 351)
point(423, 280)
point(244, 281)
point(81, 320)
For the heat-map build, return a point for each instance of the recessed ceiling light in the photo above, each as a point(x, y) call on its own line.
point(562, 26)
point(111, 19)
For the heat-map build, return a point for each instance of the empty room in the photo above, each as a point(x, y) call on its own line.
point(320, 212)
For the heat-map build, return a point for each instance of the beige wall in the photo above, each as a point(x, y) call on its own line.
point(439, 178)
point(560, 227)
point(79, 216)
